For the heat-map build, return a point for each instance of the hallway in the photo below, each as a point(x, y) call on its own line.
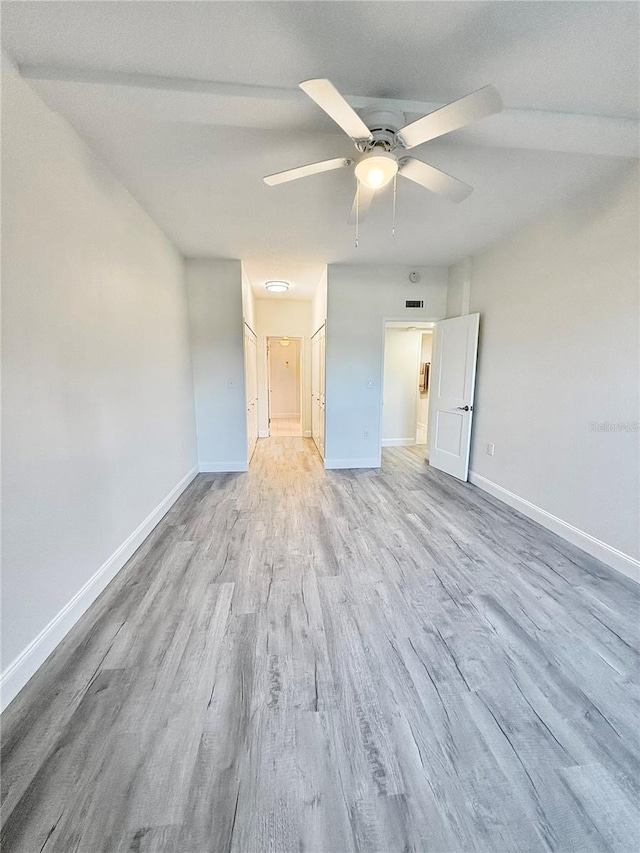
point(298, 660)
point(281, 427)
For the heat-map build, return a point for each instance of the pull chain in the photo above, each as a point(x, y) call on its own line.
point(357, 211)
point(395, 191)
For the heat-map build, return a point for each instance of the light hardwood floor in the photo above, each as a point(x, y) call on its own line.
point(301, 661)
point(281, 427)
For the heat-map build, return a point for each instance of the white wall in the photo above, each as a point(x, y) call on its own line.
point(422, 431)
point(284, 370)
point(558, 353)
point(459, 288)
point(359, 299)
point(400, 389)
point(283, 318)
point(426, 347)
point(98, 428)
point(217, 355)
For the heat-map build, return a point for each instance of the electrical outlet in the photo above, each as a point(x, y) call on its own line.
point(231, 385)
point(491, 449)
point(368, 383)
point(366, 433)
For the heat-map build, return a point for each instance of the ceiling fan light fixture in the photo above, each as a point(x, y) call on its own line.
point(376, 169)
point(277, 286)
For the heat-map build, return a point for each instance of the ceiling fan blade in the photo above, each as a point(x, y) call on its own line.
point(433, 179)
point(479, 104)
point(363, 203)
point(327, 97)
point(304, 171)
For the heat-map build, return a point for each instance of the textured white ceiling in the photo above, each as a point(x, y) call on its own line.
point(194, 153)
point(303, 277)
point(566, 56)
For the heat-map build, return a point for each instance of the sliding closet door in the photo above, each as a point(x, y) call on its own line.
point(318, 388)
point(251, 386)
point(322, 387)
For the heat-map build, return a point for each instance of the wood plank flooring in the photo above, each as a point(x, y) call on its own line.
point(301, 661)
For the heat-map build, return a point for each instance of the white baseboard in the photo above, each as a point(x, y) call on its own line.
point(398, 442)
point(623, 563)
point(336, 464)
point(288, 415)
point(263, 433)
point(223, 467)
point(34, 655)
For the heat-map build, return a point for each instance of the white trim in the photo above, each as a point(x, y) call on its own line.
point(398, 442)
point(307, 433)
point(250, 329)
point(263, 433)
point(33, 656)
point(223, 467)
point(335, 464)
point(623, 563)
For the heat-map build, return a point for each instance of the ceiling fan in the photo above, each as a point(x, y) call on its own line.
point(381, 140)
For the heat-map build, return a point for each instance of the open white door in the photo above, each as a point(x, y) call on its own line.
point(452, 385)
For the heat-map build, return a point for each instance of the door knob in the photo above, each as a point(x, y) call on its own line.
point(463, 408)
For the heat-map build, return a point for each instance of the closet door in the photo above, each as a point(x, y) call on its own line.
point(251, 386)
point(318, 389)
point(322, 389)
point(315, 387)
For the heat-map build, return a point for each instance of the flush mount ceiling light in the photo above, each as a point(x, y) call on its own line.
point(277, 286)
point(376, 168)
point(284, 342)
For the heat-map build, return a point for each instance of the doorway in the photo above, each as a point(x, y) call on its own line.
point(406, 375)
point(284, 384)
point(424, 376)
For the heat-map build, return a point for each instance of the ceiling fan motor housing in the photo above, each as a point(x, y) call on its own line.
point(383, 124)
